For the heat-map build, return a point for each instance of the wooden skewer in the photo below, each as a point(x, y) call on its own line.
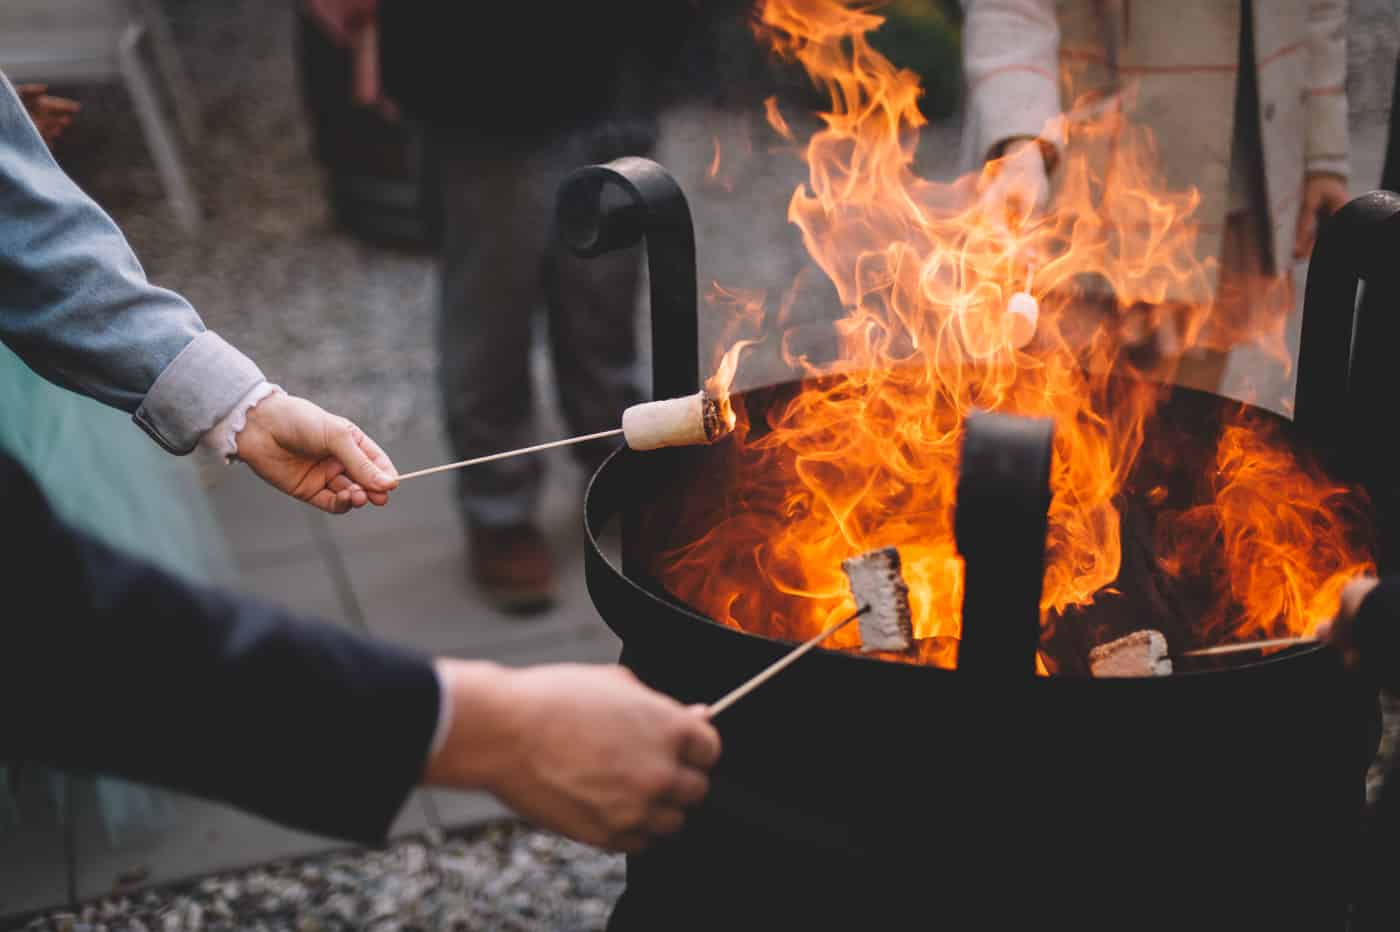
point(1247, 645)
point(500, 456)
point(772, 670)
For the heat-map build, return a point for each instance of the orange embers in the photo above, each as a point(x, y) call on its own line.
point(865, 455)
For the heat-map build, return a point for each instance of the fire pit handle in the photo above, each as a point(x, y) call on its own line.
point(1360, 241)
point(594, 220)
point(1000, 524)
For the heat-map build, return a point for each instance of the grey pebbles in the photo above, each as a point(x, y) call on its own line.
point(505, 878)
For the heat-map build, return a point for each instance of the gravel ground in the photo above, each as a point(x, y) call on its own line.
point(505, 878)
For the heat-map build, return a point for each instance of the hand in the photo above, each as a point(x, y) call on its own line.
point(314, 456)
point(1015, 187)
point(51, 115)
point(1323, 195)
point(354, 25)
point(1341, 630)
point(584, 750)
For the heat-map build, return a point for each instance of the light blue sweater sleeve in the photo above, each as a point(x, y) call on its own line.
point(75, 304)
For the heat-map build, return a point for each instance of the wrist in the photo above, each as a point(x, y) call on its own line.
point(223, 436)
point(481, 735)
point(1049, 154)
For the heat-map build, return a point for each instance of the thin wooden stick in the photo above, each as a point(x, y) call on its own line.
point(500, 456)
point(1247, 645)
point(772, 670)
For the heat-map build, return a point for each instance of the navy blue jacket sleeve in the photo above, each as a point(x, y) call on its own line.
point(108, 664)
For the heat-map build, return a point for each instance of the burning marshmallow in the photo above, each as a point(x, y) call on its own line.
point(1022, 315)
point(877, 584)
point(676, 422)
point(1142, 653)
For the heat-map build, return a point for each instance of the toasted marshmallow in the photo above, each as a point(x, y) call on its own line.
point(1142, 653)
point(879, 588)
point(1022, 316)
point(674, 422)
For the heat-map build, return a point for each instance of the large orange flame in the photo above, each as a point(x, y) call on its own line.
point(865, 455)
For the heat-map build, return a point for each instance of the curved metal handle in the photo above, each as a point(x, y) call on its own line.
point(1337, 346)
point(1000, 523)
point(593, 220)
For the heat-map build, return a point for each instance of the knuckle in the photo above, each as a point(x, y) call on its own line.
point(658, 782)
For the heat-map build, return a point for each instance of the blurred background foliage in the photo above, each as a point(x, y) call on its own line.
point(925, 36)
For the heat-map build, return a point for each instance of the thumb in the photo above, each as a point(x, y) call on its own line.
point(346, 444)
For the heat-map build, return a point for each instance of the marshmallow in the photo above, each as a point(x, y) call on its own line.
point(1022, 315)
point(879, 587)
point(1142, 653)
point(674, 422)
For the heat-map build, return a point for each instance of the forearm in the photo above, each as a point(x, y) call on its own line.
point(75, 304)
point(1324, 94)
point(1011, 64)
point(130, 671)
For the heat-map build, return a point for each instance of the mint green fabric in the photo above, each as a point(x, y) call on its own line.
point(102, 474)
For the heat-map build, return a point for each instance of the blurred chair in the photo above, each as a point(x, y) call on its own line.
point(55, 41)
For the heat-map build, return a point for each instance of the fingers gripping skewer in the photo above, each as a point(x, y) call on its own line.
point(672, 422)
point(886, 624)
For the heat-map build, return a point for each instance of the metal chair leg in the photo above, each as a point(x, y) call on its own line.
point(172, 70)
point(164, 148)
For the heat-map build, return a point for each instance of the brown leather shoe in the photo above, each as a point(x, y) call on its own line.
point(513, 565)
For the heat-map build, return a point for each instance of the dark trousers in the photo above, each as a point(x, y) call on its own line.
point(503, 271)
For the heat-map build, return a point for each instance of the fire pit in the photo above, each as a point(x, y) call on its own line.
point(883, 794)
point(986, 780)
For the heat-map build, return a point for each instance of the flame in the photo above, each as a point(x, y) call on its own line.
point(717, 385)
point(775, 118)
point(1277, 537)
point(865, 454)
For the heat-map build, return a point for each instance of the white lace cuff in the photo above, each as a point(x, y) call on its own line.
point(222, 438)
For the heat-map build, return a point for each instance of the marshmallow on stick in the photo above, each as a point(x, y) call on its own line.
point(1022, 316)
point(880, 594)
point(701, 418)
point(676, 422)
point(876, 582)
point(1142, 653)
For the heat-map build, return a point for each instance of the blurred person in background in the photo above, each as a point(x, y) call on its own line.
point(51, 115)
point(1246, 101)
point(512, 97)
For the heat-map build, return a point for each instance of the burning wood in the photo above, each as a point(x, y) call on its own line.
point(878, 585)
point(1142, 653)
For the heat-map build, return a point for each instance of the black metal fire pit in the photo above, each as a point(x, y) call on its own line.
point(856, 793)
